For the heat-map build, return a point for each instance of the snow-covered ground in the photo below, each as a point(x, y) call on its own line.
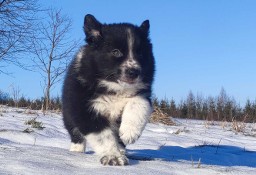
point(190, 147)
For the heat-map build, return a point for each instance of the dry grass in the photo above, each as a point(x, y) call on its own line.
point(198, 164)
point(28, 130)
point(239, 126)
point(35, 124)
point(30, 112)
point(247, 129)
point(158, 116)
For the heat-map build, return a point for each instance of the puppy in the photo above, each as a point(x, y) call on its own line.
point(107, 89)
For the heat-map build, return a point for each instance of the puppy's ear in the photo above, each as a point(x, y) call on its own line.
point(92, 29)
point(145, 27)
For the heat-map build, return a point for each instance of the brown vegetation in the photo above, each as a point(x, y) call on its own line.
point(158, 116)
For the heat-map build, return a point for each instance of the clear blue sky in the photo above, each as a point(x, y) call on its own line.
point(199, 45)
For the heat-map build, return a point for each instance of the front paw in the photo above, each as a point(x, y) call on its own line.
point(129, 134)
point(114, 160)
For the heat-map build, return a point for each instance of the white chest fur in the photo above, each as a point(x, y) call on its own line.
point(110, 106)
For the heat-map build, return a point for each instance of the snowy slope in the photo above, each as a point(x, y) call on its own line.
point(191, 147)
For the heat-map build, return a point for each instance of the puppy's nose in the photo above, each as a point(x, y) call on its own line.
point(132, 73)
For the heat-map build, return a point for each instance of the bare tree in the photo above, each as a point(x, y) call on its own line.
point(17, 22)
point(15, 93)
point(53, 50)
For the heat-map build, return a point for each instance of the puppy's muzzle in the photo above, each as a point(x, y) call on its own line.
point(132, 73)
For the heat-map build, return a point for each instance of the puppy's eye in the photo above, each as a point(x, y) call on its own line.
point(116, 53)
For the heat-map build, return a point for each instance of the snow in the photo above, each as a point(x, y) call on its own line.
point(190, 147)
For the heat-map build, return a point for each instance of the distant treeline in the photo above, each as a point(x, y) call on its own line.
point(220, 108)
point(22, 102)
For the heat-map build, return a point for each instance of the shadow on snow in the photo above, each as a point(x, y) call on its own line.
point(222, 155)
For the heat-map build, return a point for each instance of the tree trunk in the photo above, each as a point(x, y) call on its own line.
point(48, 87)
point(47, 98)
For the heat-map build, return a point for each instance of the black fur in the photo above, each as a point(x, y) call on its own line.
point(98, 62)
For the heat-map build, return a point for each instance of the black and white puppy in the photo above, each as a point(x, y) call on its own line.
point(107, 89)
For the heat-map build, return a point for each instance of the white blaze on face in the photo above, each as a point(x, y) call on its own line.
point(130, 62)
point(130, 40)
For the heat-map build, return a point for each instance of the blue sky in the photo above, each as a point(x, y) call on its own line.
point(198, 45)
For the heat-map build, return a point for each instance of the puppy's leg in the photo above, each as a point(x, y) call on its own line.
point(77, 141)
point(105, 144)
point(122, 146)
point(134, 119)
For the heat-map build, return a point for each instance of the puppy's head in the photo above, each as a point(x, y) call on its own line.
point(121, 53)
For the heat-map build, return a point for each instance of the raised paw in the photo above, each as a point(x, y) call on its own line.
point(114, 160)
point(129, 134)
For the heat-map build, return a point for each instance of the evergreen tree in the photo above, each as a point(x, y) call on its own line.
point(173, 109)
point(191, 105)
point(221, 102)
point(164, 106)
